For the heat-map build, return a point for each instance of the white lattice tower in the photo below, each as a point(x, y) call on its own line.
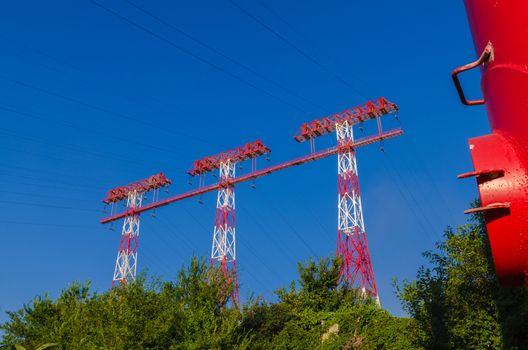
point(126, 261)
point(223, 252)
point(352, 245)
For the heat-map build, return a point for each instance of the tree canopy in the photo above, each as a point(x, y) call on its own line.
point(456, 300)
point(454, 303)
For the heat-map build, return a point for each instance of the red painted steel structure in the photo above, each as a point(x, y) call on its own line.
point(151, 183)
point(223, 252)
point(259, 173)
point(248, 151)
point(126, 261)
point(356, 115)
point(500, 159)
point(352, 244)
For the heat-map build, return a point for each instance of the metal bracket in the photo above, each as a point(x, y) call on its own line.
point(485, 58)
point(492, 206)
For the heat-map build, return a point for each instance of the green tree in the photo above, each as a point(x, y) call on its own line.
point(316, 303)
point(188, 314)
point(456, 301)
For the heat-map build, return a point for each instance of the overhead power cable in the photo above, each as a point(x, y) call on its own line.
point(71, 148)
point(25, 223)
point(95, 131)
point(198, 58)
point(220, 53)
point(299, 50)
point(48, 206)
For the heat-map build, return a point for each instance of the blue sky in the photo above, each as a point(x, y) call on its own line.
point(89, 101)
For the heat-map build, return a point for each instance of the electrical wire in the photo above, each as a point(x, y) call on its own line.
point(220, 53)
point(40, 205)
point(198, 58)
point(298, 49)
point(78, 127)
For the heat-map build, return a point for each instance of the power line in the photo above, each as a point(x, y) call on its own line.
point(303, 36)
point(196, 57)
point(41, 196)
point(416, 204)
point(71, 148)
point(220, 53)
point(95, 131)
point(48, 206)
point(72, 77)
point(290, 226)
point(298, 49)
point(24, 223)
point(89, 105)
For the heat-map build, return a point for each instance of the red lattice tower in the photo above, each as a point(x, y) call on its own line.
point(223, 251)
point(126, 261)
point(352, 244)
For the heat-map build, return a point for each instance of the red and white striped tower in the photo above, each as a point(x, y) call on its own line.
point(352, 244)
point(126, 261)
point(127, 253)
point(223, 251)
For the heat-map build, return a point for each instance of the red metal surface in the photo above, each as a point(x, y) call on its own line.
point(502, 25)
point(248, 151)
point(353, 248)
point(256, 174)
point(151, 183)
point(356, 115)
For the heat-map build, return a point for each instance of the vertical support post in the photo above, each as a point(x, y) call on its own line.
point(351, 237)
point(126, 261)
point(223, 252)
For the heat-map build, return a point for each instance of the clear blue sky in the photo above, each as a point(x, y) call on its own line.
point(89, 102)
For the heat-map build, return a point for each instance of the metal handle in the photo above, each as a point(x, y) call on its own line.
point(485, 57)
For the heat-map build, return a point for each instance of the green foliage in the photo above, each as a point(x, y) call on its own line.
point(454, 303)
point(457, 303)
point(301, 316)
point(192, 313)
point(188, 314)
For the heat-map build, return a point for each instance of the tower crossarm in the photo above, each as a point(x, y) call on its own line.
point(370, 110)
point(153, 182)
point(248, 151)
point(262, 172)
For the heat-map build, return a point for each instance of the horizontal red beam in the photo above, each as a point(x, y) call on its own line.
point(258, 173)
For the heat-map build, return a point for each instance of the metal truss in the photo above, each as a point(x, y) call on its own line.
point(126, 261)
point(223, 252)
point(351, 238)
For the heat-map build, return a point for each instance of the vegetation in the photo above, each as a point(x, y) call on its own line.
point(454, 303)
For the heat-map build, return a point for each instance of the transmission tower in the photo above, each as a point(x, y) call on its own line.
point(352, 245)
point(126, 261)
point(223, 251)
point(357, 271)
